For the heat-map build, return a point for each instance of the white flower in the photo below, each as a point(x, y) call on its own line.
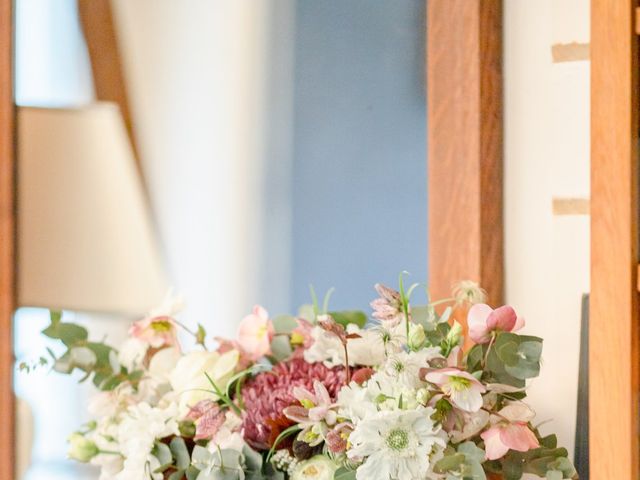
point(132, 353)
point(354, 403)
point(316, 468)
point(367, 350)
point(163, 363)
point(405, 367)
point(395, 444)
point(188, 378)
point(228, 437)
point(140, 427)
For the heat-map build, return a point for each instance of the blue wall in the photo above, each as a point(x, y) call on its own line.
point(359, 166)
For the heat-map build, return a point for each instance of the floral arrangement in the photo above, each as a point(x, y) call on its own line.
point(323, 395)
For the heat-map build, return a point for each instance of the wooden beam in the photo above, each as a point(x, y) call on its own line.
point(7, 241)
point(96, 17)
point(614, 360)
point(464, 103)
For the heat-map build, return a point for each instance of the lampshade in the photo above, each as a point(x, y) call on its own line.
point(86, 241)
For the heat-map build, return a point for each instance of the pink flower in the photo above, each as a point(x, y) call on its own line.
point(498, 440)
point(464, 390)
point(208, 418)
point(387, 308)
point(337, 439)
point(315, 407)
point(510, 431)
point(267, 394)
point(483, 321)
point(255, 333)
point(301, 335)
point(158, 331)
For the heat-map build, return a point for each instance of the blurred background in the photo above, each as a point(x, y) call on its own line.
point(257, 148)
point(240, 150)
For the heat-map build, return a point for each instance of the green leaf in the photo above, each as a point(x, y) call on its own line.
point(344, 474)
point(550, 441)
point(179, 450)
point(512, 466)
point(449, 463)
point(306, 312)
point(281, 348)
point(192, 473)
point(346, 317)
point(162, 452)
point(252, 459)
point(201, 334)
point(284, 324)
point(69, 333)
point(472, 452)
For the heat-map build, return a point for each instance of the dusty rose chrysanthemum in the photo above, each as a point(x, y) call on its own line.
point(267, 394)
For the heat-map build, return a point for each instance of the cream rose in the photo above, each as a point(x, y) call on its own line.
point(189, 381)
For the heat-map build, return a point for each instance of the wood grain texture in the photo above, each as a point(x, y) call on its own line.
point(464, 103)
point(7, 242)
point(99, 30)
point(614, 340)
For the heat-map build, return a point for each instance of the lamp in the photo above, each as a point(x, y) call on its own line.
point(86, 241)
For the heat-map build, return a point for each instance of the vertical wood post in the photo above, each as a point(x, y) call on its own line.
point(7, 241)
point(614, 360)
point(465, 151)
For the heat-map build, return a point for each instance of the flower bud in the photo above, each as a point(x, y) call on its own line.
point(455, 334)
point(417, 336)
point(423, 396)
point(81, 449)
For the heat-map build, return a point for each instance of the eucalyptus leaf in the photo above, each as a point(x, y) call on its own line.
point(472, 452)
point(162, 452)
point(281, 348)
point(252, 459)
point(449, 463)
point(179, 450)
point(284, 324)
point(68, 333)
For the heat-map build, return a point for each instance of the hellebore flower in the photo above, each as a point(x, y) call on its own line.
point(255, 333)
point(510, 432)
point(483, 321)
point(464, 390)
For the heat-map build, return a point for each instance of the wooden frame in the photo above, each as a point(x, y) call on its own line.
point(465, 135)
point(464, 88)
point(7, 240)
point(614, 360)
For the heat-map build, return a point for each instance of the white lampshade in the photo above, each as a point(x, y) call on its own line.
point(86, 241)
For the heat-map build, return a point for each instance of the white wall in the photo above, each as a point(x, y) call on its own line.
point(547, 156)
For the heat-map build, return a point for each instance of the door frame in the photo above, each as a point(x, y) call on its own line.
point(7, 240)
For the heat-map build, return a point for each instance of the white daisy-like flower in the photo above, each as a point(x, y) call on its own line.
point(395, 444)
point(354, 402)
point(405, 367)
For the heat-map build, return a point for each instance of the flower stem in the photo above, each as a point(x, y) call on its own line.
point(486, 355)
